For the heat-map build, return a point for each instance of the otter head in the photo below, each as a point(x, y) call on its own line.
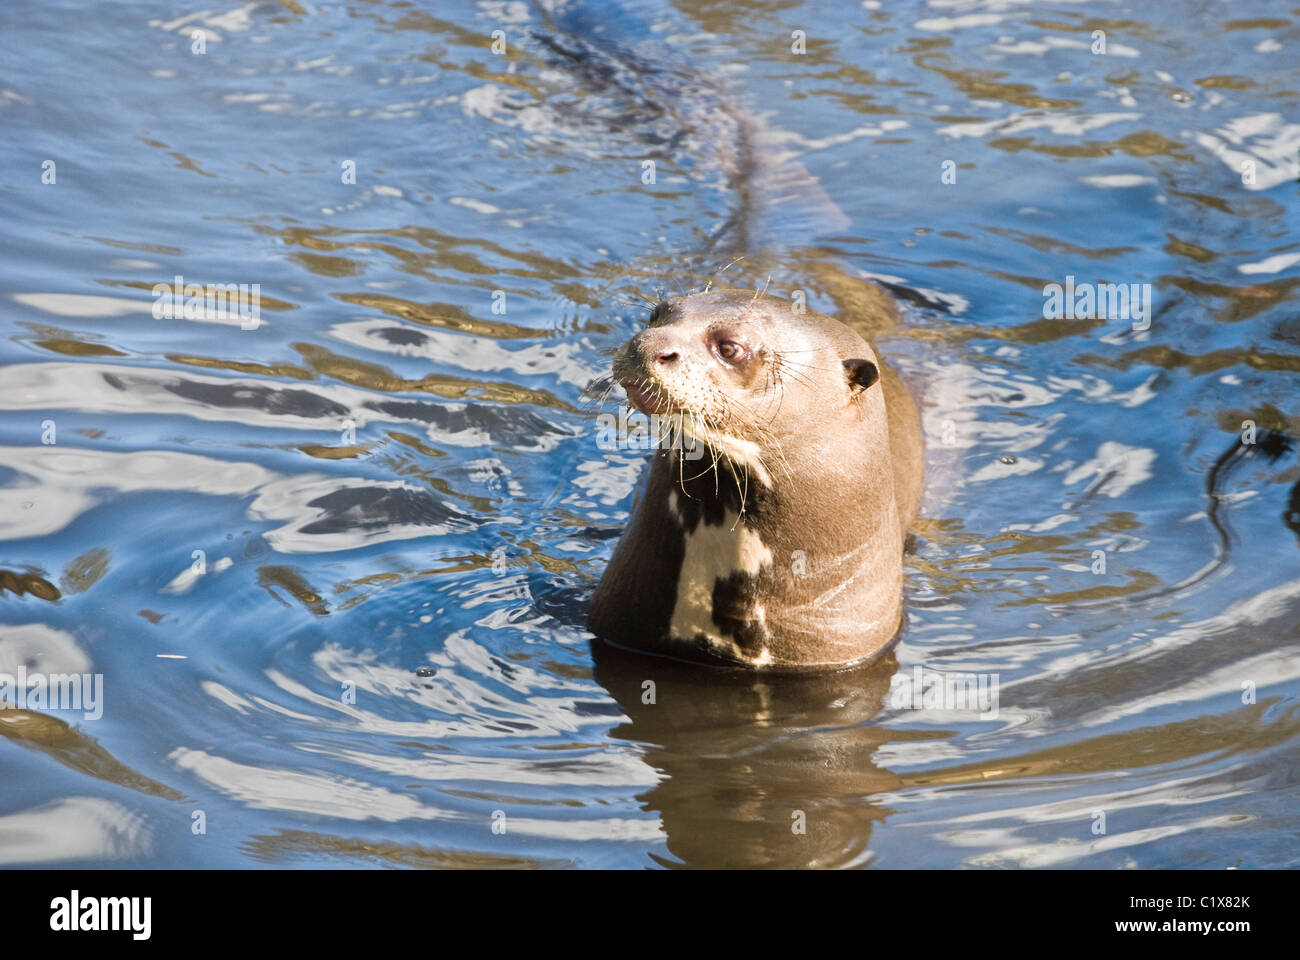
point(744, 373)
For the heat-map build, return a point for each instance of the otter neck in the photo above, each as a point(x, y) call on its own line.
point(783, 572)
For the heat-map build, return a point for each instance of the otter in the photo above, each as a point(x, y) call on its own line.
point(782, 547)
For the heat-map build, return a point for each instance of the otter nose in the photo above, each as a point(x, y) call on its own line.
point(657, 348)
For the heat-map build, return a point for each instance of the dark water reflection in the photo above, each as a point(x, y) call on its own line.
point(257, 536)
point(740, 757)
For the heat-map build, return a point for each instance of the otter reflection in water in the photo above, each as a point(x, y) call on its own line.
point(756, 770)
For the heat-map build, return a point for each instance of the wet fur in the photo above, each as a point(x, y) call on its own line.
point(842, 464)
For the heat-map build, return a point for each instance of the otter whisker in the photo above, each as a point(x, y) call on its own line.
point(805, 365)
point(681, 482)
point(720, 272)
point(717, 476)
point(712, 466)
point(716, 456)
point(594, 401)
point(800, 379)
point(794, 369)
point(732, 467)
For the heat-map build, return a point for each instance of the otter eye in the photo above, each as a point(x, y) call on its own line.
point(731, 350)
point(658, 312)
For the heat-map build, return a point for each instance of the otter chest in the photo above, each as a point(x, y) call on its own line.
point(718, 586)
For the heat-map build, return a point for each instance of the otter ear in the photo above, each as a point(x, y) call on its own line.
point(861, 374)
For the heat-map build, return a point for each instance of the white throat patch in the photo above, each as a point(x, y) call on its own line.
point(713, 553)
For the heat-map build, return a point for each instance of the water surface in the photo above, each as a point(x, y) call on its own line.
point(258, 536)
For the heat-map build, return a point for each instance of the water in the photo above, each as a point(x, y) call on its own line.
point(386, 474)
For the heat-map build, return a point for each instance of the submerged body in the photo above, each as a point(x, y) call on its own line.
point(782, 546)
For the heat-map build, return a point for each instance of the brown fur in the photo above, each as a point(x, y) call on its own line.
point(789, 553)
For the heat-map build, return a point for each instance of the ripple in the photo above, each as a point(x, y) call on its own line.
point(75, 828)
